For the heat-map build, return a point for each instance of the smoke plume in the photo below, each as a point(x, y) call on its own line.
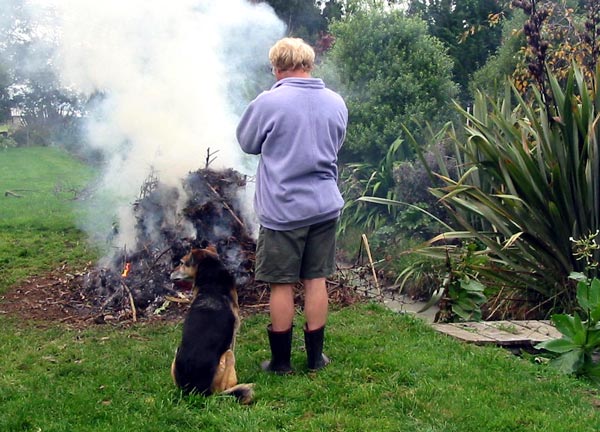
point(169, 80)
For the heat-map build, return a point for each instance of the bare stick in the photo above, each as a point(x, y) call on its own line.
point(368, 249)
point(160, 256)
point(258, 305)
point(177, 299)
point(133, 309)
point(109, 299)
point(227, 207)
point(209, 157)
point(49, 284)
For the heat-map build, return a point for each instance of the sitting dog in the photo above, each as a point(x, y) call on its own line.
point(204, 362)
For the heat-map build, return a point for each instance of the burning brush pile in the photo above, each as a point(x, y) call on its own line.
point(137, 282)
point(134, 284)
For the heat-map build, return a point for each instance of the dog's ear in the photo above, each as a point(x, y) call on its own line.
point(200, 254)
point(195, 256)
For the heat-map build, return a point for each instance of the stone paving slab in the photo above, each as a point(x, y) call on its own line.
point(503, 333)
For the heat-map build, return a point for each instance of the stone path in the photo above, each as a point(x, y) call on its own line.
point(405, 305)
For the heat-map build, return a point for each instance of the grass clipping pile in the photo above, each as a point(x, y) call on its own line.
point(134, 286)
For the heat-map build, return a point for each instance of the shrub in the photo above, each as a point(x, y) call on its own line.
point(413, 182)
point(391, 72)
point(7, 142)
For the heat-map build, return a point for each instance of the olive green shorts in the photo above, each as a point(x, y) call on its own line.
point(289, 256)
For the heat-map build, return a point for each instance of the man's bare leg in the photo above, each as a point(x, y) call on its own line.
point(281, 305)
point(316, 303)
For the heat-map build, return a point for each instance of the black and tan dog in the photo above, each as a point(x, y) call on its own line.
point(205, 360)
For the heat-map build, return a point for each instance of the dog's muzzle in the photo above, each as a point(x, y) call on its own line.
point(181, 280)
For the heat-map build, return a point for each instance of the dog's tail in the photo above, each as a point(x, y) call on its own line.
point(244, 393)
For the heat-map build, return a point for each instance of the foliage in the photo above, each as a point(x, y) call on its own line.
point(530, 182)
point(403, 187)
point(558, 34)
point(461, 294)
point(448, 21)
point(367, 179)
point(576, 352)
point(49, 114)
point(412, 183)
point(391, 72)
point(491, 77)
point(303, 18)
point(579, 345)
point(540, 36)
point(341, 9)
point(457, 289)
point(405, 214)
point(7, 142)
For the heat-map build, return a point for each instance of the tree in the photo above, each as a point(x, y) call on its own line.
point(491, 77)
point(463, 26)
point(392, 73)
point(13, 30)
point(49, 110)
point(303, 18)
point(5, 102)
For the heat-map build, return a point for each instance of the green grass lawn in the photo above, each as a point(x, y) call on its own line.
point(389, 372)
point(38, 228)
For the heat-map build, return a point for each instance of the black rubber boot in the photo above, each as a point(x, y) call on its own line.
point(313, 341)
point(281, 351)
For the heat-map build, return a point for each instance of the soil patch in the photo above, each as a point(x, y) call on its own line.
point(60, 297)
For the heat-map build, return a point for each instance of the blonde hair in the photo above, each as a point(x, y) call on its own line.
point(290, 54)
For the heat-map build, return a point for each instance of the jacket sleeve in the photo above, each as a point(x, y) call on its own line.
point(248, 132)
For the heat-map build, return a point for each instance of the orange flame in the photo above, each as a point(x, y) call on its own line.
point(126, 270)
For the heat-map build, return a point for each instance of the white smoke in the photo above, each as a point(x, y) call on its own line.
point(166, 72)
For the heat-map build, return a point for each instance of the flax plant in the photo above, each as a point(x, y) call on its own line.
point(530, 182)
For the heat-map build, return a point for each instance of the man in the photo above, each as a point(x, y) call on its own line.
point(297, 127)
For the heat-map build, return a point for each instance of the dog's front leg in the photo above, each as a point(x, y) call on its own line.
point(173, 374)
point(235, 332)
point(235, 308)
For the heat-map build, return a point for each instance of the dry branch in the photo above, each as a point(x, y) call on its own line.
point(368, 249)
point(237, 219)
point(133, 309)
point(12, 194)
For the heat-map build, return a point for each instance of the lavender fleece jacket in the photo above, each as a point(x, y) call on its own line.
point(297, 127)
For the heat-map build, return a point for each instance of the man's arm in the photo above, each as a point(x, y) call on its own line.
point(248, 131)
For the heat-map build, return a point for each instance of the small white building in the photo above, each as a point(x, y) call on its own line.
point(16, 118)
